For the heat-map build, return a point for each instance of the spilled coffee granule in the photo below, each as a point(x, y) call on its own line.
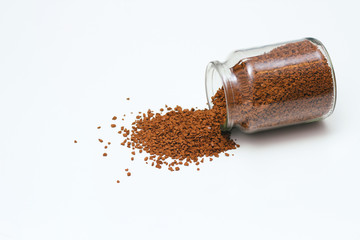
point(75, 141)
point(180, 136)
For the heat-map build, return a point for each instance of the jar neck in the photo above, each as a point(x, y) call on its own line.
point(218, 75)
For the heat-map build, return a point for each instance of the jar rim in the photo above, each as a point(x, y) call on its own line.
point(216, 78)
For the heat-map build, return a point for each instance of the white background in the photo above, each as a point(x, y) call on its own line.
point(67, 67)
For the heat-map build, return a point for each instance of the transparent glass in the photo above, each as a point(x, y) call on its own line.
point(275, 85)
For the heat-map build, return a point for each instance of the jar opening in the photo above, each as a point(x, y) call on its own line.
point(215, 79)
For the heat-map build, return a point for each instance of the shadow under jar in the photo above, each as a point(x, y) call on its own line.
point(274, 86)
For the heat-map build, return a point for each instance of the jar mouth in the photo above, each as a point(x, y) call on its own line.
point(216, 78)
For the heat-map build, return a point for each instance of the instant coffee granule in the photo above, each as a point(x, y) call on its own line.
point(180, 136)
point(290, 84)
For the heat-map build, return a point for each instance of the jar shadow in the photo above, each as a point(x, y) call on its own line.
point(281, 135)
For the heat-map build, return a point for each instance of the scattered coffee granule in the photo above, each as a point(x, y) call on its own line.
point(105, 147)
point(128, 174)
point(109, 143)
point(98, 127)
point(127, 98)
point(104, 154)
point(133, 153)
point(198, 169)
point(114, 118)
point(177, 168)
point(113, 125)
point(100, 140)
point(132, 158)
point(182, 134)
point(126, 169)
point(118, 181)
point(226, 154)
point(75, 141)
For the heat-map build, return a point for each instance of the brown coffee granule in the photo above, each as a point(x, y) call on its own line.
point(198, 169)
point(290, 84)
point(127, 98)
point(113, 125)
point(104, 154)
point(118, 181)
point(105, 147)
point(226, 154)
point(109, 143)
point(75, 141)
point(100, 140)
point(98, 127)
point(183, 133)
point(114, 118)
point(178, 136)
point(128, 174)
point(126, 169)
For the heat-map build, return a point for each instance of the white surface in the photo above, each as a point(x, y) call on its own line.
point(67, 67)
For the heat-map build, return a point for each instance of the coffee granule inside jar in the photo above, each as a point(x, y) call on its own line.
point(290, 84)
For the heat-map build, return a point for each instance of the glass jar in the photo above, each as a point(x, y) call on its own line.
point(274, 86)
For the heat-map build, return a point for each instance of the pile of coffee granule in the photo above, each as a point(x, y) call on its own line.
point(180, 136)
